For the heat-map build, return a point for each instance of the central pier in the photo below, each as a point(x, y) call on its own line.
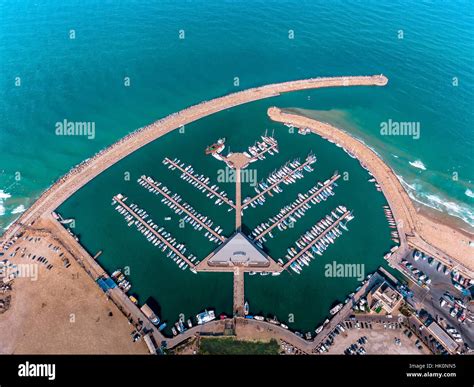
point(316, 240)
point(239, 293)
point(238, 200)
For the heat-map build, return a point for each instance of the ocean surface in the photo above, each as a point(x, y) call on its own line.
point(121, 65)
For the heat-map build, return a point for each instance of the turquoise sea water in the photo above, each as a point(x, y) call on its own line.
point(82, 79)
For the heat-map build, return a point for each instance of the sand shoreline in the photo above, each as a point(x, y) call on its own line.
point(445, 219)
point(417, 228)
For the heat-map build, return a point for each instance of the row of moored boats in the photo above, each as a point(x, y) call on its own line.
point(392, 224)
point(290, 214)
point(257, 151)
point(289, 173)
point(318, 238)
point(202, 318)
point(156, 235)
point(199, 181)
point(175, 202)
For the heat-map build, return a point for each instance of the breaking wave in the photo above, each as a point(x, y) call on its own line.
point(418, 164)
point(3, 196)
point(18, 210)
point(458, 210)
point(469, 193)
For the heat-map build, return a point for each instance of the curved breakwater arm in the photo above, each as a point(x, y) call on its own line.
point(414, 230)
point(81, 174)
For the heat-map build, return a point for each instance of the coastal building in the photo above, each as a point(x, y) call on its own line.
point(384, 297)
point(432, 335)
point(443, 338)
point(239, 251)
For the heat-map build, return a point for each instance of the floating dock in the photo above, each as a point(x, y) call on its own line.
point(187, 210)
point(316, 240)
point(119, 199)
point(257, 151)
point(311, 197)
point(201, 184)
point(287, 175)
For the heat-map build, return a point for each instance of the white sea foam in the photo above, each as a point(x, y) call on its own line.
point(417, 164)
point(409, 187)
point(435, 202)
point(6, 228)
point(469, 193)
point(3, 196)
point(18, 210)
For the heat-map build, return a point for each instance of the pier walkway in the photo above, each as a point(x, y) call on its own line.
point(167, 196)
point(238, 200)
point(317, 239)
point(154, 232)
point(261, 152)
point(278, 182)
point(200, 183)
point(296, 208)
point(239, 292)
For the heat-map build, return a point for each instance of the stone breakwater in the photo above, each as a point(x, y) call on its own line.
point(414, 229)
point(87, 170)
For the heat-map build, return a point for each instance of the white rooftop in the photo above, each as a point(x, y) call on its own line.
point(239, 251)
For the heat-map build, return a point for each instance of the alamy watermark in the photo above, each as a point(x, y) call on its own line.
point(28, 369)
point(344, 270)
point(22, 270)
point(228, 175)
point(75, 128)
point(400, 128)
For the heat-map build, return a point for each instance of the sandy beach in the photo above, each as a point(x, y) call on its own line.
point(417, 230)
point(63, 311)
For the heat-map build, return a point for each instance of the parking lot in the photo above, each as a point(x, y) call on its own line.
point(429, 300)
point(377, 338)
